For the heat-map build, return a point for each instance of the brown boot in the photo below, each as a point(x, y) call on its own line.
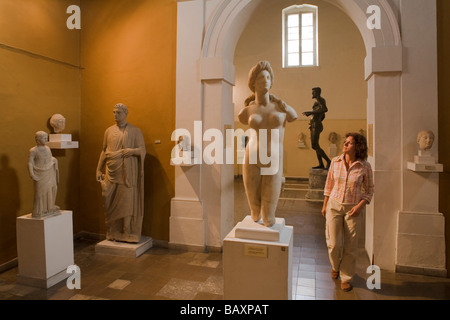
point(346, 286)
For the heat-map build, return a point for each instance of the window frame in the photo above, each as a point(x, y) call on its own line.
point(300, 9)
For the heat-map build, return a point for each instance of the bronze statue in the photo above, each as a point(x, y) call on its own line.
point(316, 126)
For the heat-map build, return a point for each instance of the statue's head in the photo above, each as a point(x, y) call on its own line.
point(256, 74)
point(425, 139)
point(333, 137)
point(41, 138)
point(120, 112)
point(58, 123)
point(316, 92)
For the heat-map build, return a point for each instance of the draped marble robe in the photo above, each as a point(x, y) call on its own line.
point(123, 183)
point(43, 169)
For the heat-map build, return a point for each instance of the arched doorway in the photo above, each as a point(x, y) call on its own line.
point(202, 211)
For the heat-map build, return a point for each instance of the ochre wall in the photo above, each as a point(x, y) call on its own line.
point(126, 58)
point(340, 74)
point(444, 115)
point(39, 59)
point(128, 51)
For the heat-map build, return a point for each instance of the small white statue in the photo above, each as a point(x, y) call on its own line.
point(43, 169)
point(333, 138)
point(184, 143)
point(301, 140)
point(58, 123)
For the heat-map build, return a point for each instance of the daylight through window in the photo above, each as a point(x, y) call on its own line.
point(300, 36)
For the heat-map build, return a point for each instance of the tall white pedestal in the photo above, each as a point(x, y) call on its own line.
point(258, 269)
point(421, 244)
point(44, 248)
point(187, 226)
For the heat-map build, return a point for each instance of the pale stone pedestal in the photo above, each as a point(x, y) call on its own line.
point(61, 141)
point(258, 269)
point(317, 180)
point(124, 249)
point(44, 248)
point(332, 151)
point(425, 162)
point(421, 243)
point(187, 226)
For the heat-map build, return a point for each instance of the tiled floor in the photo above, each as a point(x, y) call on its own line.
point(163, 273)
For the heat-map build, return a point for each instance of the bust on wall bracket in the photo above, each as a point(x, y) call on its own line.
point(424, 161)
point(57, 140)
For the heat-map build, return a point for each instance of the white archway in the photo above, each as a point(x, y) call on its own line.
point(208, 31)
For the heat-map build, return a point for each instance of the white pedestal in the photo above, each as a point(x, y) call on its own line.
point(44, 248)
point(124, 249)
point(187, 226)
point(61, 141)
point(56, 137)
point(317, 181)
point(332, 151)
point(256, 269)
point(421, 243)
point(421, 167)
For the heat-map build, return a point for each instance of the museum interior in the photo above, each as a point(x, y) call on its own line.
point(182, 67)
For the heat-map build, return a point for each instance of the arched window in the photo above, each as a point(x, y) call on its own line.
point(300, 39)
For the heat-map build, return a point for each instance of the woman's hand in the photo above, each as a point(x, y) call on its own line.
point(324, 207)
point(324, 212)
point(356, 210)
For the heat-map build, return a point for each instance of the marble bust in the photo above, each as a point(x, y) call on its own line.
point(424, 161)
point(43, 169)
point(265, 114)
point(122, 160)
point(301, 140)
point(58, 123)
point(425, 139)
point(333, 138)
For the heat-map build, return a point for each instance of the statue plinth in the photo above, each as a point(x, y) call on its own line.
point(317, 180)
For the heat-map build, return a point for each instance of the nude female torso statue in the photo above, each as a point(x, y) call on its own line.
point(267, 116)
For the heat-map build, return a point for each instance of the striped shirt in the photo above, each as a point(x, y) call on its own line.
point(349, 187)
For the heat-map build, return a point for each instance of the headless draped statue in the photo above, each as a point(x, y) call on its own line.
point(43, 169)
point(122, 159)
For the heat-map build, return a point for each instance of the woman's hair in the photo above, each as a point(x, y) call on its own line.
point(360, 145)
point(261, 66)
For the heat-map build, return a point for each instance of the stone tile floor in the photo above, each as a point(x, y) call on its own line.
point(167, 274)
